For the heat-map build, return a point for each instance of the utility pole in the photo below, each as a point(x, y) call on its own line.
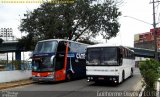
point(155, 31)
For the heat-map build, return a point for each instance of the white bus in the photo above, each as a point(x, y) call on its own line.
point(111, 63)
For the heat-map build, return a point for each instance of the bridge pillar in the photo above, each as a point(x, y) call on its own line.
point(18, 55)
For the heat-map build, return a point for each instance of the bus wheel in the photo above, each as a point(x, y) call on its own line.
point(69, 77)
point(131, 73)
point(123, 76)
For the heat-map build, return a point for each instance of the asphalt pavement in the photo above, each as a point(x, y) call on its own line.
point(78, 88)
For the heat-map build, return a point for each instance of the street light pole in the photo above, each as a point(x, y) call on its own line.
point(154, 31)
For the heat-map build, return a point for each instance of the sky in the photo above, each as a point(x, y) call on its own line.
point(11, 14)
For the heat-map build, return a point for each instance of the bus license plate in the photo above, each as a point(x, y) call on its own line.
point(101, 78)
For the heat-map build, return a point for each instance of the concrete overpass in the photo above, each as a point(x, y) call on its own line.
point(141, 52)
point(12, 46)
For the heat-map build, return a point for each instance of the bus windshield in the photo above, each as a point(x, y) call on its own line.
point(102, 56)
point(46, 47)
point(43, 64)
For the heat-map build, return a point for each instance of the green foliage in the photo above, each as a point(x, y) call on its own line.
point(3, 62)
point(150, 70)
point(82, 19)
point(27, 42)
point(87, 41)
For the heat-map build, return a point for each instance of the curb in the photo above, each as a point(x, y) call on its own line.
point(141, 92)
point(138, 88)
point(138, 85)
point(15, 84)
point(158, 88)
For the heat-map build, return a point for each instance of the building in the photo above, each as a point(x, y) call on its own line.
point(146, 40)
point(6, 34)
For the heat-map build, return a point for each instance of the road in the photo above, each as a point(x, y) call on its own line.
point(77, 88)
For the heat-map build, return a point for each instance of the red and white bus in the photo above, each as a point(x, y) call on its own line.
point(58, 59)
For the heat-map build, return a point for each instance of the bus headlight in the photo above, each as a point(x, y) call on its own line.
point(33, 75)
point(51, 75)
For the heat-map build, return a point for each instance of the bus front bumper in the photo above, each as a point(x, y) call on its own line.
point(45, 79)
point(103, 78)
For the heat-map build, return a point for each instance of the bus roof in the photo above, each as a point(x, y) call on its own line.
point(101, 45)
point(106, 45)
point(62, 40)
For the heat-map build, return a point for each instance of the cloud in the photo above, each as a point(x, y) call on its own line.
point(11, 15)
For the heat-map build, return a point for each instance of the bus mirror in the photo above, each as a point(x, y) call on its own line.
point(52, 58)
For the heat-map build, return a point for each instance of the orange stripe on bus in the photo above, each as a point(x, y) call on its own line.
point(66, 54)
point(61, 74)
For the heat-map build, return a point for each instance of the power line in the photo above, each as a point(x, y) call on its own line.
point(139, 20)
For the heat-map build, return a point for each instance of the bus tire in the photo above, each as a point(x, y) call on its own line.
point(123, 76)
point(131, 75)
point(69, 76)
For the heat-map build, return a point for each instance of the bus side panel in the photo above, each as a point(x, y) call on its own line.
point(80, 68)
point(77, 67)
point(126, 67)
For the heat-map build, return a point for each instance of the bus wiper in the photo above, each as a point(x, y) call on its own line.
point(111, 62)
point(91, 63)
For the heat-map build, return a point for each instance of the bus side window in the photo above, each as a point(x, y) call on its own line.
point(73, 47)
point(130, 54)
point(123, 52)
point(121, 55)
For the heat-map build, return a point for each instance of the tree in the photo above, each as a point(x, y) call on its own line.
point(82, 19)
point(87, 41)
point(150, 70)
